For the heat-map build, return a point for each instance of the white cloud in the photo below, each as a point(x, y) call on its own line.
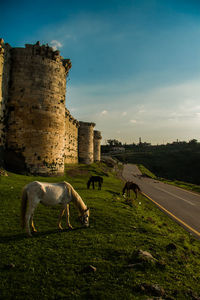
point(72, 109)
point(124, 114)
point(133, 121)
point(55, 44)
point(141, 111)
point(69, 36)
point(104, 112)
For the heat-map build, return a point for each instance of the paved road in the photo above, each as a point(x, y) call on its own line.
point(182, 205)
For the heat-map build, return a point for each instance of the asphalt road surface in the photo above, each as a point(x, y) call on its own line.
point(182, 205)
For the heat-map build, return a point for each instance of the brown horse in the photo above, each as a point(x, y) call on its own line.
point(94, 179)
point(129, 185)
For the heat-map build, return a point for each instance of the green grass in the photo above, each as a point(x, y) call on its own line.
point(183, 185)
point(54, 264)
point(145, 171)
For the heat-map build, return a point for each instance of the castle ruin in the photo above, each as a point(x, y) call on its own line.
point(38, 135)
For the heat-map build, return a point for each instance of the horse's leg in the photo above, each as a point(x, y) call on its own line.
point(27, 221)
point(29, 215)
point(93, 185)
point(67, 218)
point(60, 217)
point(32, 224)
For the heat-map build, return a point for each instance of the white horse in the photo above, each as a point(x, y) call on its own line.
point(51, 194)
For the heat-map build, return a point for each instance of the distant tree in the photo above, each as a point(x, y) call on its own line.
point(193, 142)
point(113, 142)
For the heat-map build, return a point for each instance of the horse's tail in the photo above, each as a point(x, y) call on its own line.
point(24, 206)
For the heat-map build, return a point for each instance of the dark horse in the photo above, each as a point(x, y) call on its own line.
point(129, 185)
point(94, 179)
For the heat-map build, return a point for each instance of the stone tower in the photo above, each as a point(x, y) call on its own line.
point(86, 142)
point(38, 135)
point(4, 81)
point(97, 145)
point(35, 140)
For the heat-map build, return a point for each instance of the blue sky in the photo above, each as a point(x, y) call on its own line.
point(135, 63)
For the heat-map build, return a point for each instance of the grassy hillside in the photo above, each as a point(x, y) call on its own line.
point(57, 265)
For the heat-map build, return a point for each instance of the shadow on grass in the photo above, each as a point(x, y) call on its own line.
point(22, 236)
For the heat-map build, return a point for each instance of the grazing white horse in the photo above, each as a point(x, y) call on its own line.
point(51, 194)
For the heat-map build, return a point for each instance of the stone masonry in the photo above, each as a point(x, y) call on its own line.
point(4, 81)
point(97, 145)
point(86, 142)
point(71, 138)
point(38, 135)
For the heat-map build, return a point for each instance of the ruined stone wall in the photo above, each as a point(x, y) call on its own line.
point(86, 142)
point(71, 139)
point(36, 110)
point(37, 133)
point(97, 145)
point(4, 87)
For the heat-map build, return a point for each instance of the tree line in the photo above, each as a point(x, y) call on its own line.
point(178, 160)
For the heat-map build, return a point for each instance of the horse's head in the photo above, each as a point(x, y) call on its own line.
point(84, 218)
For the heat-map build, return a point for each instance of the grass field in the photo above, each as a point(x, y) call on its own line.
point(57, 264)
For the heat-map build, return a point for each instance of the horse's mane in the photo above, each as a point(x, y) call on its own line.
point(134, 185)
point(138, 188)
point(76, 198)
